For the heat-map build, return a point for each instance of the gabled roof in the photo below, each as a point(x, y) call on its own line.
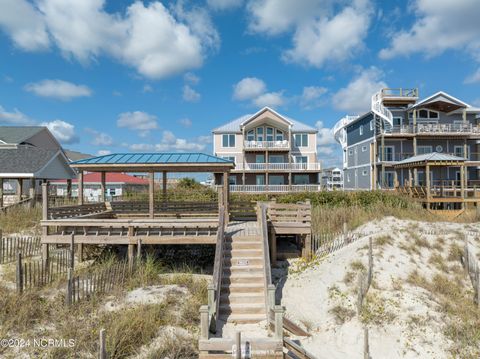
point(18, 134)
point(236, 124)
point(449, 102)
point(75, 156)
point(25, 159)
point(152, 158)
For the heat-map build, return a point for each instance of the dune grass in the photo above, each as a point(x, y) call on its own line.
point(21, 219)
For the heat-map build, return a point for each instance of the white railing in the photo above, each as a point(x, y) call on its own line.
point(399, 92)
point(278, 166)
point(267, 144)
point(339, 132)
point(276, 188)
point(380, 110)
point(434, 128)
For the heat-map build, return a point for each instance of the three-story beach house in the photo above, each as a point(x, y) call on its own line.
point(272, 153)
point(402, 137)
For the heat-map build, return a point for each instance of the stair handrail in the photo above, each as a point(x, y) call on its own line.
point(214, 287)
point(380, 110)
point(269, 287)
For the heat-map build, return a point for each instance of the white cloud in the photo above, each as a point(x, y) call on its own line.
point(25, 25)
point(191, 78)
point(156, 41)
point(312, 97)
point(170, 142)
point(325, 135)
point(63, 131)
point(324, 31)
point(138, 121)
point(185, 122)
point(58, 89)
point(141, 147)
point(100, 138)
point(103, 152)
point(356, 96)
point(270, 99)
point(14, 117)
point(190, 95)
point(473, 78)
point(221, 5)
point(248, 88)
point(147, 89)
point(439, 25)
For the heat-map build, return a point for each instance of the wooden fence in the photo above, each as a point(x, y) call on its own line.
point(171, 208)
point(472, 269)
point(243, 211)
point(10, 246)
point(326, 243)
point(106, 279)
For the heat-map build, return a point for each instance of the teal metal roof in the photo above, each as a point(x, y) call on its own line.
point(433, 156)
point(152, 158)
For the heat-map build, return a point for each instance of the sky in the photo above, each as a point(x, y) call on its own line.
point(123, 76)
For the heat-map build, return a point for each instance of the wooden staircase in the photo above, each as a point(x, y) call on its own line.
point(242, 296)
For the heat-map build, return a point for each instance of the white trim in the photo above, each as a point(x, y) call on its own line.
point(358, 166)
point(16, 175)
point(266, 108)
point(359, 143)
point(440, 93)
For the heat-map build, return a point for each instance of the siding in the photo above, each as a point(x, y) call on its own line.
point(353, 131)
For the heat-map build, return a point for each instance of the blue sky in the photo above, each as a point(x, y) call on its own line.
point(111, 76)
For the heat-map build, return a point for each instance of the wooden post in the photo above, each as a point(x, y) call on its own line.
point(45, 217)
point(103, 345)
point(370, 262)
point(164, 186)
point(31, 194)
point(19, 188)
point(80, 252)
point(80, 187)
point(68, 295)
point(139, 250)
point(19, 273)
point(204, 322)
point(69, 188)
point(462, 184)
point(273, 247)
point(366, 345)
point(151, 184)
point(72, 251)
point(427, 180)
point(131, 250)
point(308, 246)
point(271, 301)
point(477, 285)
point(238, 344)
point(278, 310)
point(225, 196)
point(1, 192)
point(103, 187)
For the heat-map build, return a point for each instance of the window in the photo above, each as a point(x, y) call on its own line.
point(301, 139)
point(421, 150)
point(228, 141)
point(371, 125)
point(301, 159)
point(259, 158)
point(301, 179)
point(232, 180)
point(361, 130)
point(259, 180)
point(348, 177)
point(364, 172)
point(389, 153)
point(427, 114)
point(276, 179)
point(458, 151)
point(397, 121)
point(269, 136)
point(364, 148)
point(279, 136)
point(350, 152)
point(251, 135)
point(259, 133)
point(276, 159)
point(229, 158)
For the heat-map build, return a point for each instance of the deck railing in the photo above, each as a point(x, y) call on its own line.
point(283, 144)
point(434, 129)
point(278, 166)
point(276, 188)
point(399, 92)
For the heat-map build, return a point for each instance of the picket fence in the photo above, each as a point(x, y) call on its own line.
point(470, 263)
point(10, 246)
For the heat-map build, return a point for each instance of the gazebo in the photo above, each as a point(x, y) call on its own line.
point(102, 223)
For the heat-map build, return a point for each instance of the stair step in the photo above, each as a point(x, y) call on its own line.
point(252, 238)
point(249, 279)
point(250, 269)
point(248, 297)
point(244, 318)
point(242, 308)
point(243, 245)
point(236, 260)
point(241, 288)
point(241, 252)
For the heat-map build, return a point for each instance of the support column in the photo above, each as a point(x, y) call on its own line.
point(225, 196)
point(69, 188)
point(103, 188)
point(164, 187)
point(382, 144)
point(45, 248)
point(19, 188)
point(1, 192)
point(80, 252)
point(151, 200)
point(414, 130)
point(32, 193)
point(462, 183)
point(273, 247)
point(80, 188)
point(427, 180)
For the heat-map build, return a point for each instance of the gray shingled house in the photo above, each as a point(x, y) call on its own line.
point(28, 156)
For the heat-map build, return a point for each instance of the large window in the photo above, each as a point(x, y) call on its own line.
point(279, 136)
point(389, 153)
point(260, 134)
point(251, 135)
point(422, 150)
point(425, 115)
point(301, 179)
point(301, 139)
point(276, 179)
point(269, 136)
point(458, 151)
point(228, 141)
point(276, 159)
point(301, 159)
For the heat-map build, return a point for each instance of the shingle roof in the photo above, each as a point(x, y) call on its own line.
point(434, 156)
point(18, 134)
point(24, 159)
point(234, 125)
point(152, 158)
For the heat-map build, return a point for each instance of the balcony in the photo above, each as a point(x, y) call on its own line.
point(434, 129)
point(266, 145)
point(396, 157)
point(276, 188)
point(278, 167)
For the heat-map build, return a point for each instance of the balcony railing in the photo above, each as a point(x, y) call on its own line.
point(434, 129)
point(276, 188)
point(284, 144)
point(389, 157)
point(278, 166)
point(399, 92)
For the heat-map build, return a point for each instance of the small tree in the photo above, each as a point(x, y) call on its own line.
point(188, 182)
